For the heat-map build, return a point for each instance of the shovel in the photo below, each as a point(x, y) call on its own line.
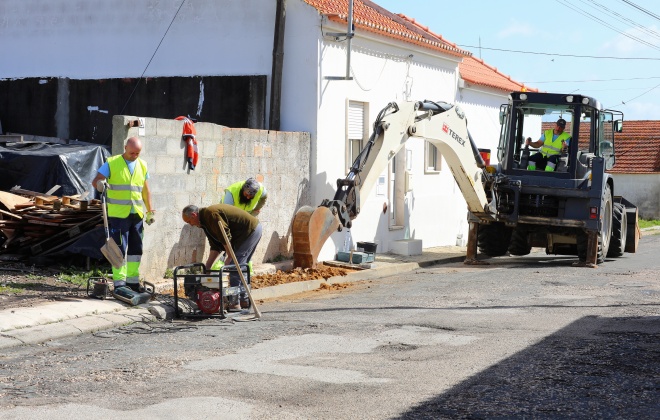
point(257, 313)
point(110, 249)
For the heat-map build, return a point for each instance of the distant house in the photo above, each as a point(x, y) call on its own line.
point(637, 169)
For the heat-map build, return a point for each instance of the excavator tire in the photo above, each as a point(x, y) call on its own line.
point(493, 239)
point(604, 236)
point(519, 244)
point(619, 231)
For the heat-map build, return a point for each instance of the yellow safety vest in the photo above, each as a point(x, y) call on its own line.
point(235, 190)
point(551, 148)
point(124, 189)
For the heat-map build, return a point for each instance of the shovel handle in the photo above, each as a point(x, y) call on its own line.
point(105, 217)
point(257, 313)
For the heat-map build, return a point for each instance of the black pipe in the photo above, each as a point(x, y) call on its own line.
point(278, 63)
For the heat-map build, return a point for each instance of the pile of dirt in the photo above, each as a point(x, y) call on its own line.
point(297, 274)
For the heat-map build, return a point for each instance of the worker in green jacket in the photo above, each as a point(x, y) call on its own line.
point(243, 232)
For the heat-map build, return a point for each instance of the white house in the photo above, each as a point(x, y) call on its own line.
point(392, 58)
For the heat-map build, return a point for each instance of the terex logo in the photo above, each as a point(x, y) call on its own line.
point(451, 132)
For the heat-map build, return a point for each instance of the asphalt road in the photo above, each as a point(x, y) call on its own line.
point(524, 337)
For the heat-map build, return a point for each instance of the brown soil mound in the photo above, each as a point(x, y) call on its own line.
point(297, 274)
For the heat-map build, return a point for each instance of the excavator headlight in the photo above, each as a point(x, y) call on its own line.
point(585, 101)
point(523, 96)
point(459, 112)
point(569, 98)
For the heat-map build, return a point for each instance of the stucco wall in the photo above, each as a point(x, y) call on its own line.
point(641, 190)
point(227, 155)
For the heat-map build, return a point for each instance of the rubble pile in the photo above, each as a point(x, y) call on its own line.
point(37, 224)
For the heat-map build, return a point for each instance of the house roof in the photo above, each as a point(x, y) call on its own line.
point(374, 18)
point(371, 17)
point(476, 71)
point(637, 148)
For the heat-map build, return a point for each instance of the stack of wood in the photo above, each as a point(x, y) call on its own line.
point(38, 224)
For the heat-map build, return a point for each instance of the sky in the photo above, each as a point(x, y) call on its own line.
point(607, 49)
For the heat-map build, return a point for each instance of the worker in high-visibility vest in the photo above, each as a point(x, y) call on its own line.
point(249, 195)
point(552, 143)
point(124, 178)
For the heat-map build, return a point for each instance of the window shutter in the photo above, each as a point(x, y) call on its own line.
point(355, 120)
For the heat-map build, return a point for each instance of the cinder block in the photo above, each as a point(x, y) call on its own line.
point(406, 247)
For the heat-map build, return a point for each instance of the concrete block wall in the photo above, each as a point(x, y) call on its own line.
point(226, 155)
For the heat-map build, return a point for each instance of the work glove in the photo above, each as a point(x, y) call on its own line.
point(101, 186)
point(150, 218)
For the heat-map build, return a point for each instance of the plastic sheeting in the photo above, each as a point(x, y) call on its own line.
point(39, 166)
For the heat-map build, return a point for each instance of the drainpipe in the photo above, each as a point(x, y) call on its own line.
point(278, 62)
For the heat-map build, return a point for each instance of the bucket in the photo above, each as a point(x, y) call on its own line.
point(485, 155)
point(368, 247)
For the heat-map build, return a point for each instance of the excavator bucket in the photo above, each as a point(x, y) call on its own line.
point(311, 228)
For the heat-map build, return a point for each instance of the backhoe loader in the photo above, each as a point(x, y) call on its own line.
point(570, 209)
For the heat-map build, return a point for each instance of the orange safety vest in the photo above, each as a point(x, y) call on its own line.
point(190, 137)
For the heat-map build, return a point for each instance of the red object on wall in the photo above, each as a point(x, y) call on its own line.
point(190, 137)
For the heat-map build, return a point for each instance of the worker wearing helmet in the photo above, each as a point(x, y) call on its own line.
point(552, 143)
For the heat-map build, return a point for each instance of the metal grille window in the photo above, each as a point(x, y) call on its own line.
point(356, 130)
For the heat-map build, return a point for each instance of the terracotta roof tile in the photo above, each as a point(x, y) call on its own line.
point(637, 148)
point(373, 18)
point(476, 71)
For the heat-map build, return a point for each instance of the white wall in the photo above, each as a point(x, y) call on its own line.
point(95, 39)
point(643, 190)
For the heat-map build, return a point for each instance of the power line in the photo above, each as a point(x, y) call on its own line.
point(562, 55)
point(152, 57)
point(602, 22)
point(641, 9)
point(623, 19)
point(642, 94)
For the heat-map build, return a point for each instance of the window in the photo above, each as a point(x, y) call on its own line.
point(356, 130)
point(431, 158)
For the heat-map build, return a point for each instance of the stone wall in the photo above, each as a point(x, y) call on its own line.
point(278, 159)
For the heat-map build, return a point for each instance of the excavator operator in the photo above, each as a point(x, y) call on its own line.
point(552, 143)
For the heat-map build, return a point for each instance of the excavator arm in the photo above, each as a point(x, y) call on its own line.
point(441, 124)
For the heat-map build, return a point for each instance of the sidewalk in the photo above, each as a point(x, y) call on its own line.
point(79, 316)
